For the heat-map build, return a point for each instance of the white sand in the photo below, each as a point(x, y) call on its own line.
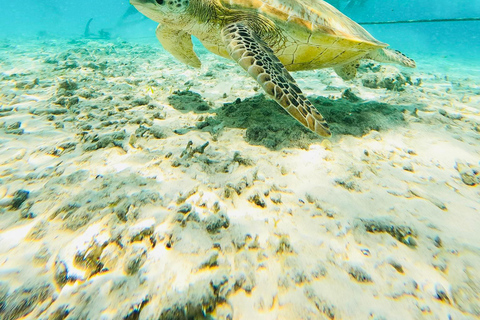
point(119, 225)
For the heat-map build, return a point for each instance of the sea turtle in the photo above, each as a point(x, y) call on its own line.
point(268, 38)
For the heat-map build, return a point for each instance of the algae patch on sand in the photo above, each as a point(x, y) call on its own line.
point(269, 125)
point(359, 118)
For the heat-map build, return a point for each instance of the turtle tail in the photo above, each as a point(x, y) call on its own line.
point(391, 56)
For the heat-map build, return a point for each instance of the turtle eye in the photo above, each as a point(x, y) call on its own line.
point(160, 2)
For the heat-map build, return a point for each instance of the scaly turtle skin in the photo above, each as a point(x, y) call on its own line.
point(268, 38)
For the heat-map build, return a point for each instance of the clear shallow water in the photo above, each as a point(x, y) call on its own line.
point(54, 18)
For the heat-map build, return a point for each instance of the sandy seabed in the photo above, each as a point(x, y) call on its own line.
point(134, 187)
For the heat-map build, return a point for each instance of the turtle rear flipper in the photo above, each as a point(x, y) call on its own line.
point(256, 57)
point(347, 71)
point(391, 56)
point(179, 44)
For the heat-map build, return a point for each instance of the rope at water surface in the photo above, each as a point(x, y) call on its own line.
point(421, 21)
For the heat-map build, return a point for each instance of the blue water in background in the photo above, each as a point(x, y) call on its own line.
point(67, 19)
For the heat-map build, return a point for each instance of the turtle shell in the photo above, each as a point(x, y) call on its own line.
point(311, 18)
point(316, 35)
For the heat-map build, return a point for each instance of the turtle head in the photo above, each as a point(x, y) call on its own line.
point(159, 10)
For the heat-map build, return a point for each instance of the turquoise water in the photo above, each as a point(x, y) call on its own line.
point(54, 18)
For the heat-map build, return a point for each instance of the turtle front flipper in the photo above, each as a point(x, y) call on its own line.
point(179, 44)
point(256, 57)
